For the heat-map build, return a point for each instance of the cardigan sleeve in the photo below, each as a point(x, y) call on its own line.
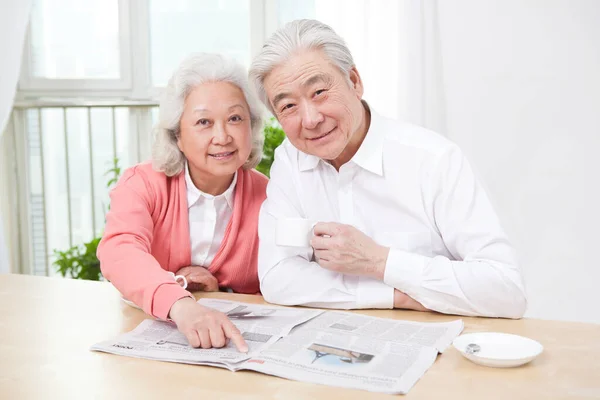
point(125, 249)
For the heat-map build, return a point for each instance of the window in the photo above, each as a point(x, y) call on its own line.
point(178, 28)
point(114, 56)
point(128, 48)
point(290, 10)
point(76, 47)
point(69, 149)
point(71, 39)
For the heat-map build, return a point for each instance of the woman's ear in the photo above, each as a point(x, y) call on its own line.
point(179, 145)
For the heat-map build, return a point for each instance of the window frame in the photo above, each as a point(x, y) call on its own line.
point(134, 33)
point(31, 84)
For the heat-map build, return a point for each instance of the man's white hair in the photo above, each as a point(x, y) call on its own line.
point(296, 36)
point(195, 70)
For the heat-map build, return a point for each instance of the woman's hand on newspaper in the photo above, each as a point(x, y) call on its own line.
point(199, 279)
point(205, 327)
point(404, 301)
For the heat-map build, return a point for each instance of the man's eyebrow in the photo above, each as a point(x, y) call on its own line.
point(324, 78)
point(278, 98)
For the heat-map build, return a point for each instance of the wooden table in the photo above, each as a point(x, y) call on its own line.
point(48, 324)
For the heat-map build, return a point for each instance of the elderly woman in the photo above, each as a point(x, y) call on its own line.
point(194, 210)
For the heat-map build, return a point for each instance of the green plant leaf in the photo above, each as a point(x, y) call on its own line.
point(274, 136)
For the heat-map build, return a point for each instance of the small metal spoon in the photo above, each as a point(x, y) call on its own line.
point(472, 348)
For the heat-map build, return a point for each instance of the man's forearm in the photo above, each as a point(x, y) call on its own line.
point(300, 282)
point(490, 289)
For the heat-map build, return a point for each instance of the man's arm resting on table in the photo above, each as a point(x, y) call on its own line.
point(487, 288)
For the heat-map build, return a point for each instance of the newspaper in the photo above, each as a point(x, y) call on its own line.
point(260, 326)
point(324, 347)
point(357, 351)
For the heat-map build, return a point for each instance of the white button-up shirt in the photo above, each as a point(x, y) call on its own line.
point(208, 218)
point(411, 190)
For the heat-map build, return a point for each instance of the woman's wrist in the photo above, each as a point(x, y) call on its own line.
point(179, 306)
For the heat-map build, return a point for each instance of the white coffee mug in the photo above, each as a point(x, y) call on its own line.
point(295, 232)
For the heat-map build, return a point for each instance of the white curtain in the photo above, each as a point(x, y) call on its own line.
point(14, 17)
point(396, 47)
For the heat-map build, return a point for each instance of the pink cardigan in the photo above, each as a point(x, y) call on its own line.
point(147, 234)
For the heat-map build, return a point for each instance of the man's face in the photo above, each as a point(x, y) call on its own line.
point(318, 107)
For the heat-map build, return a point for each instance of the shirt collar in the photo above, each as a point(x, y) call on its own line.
point(307, 161)
point(370, 153)
point(193, 193)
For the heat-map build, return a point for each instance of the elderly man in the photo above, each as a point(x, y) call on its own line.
point(402, 220)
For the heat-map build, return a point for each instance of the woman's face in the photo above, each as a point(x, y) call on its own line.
point(215, 131)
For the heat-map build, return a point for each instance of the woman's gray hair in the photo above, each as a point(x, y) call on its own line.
point(295, 36)
point(195, 70)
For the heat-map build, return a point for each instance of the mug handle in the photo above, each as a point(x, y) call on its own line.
point(179, 278)
point(183, 280)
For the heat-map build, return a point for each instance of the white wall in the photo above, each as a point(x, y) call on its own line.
point(522, 82)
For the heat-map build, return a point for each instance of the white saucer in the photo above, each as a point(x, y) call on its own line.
point(498, 349)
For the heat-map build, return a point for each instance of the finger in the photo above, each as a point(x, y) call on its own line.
point(188, 271)
point(195, 278)
point(217, 336)
point(205, 342)
point(206, 283)
point(192, 337)
point(326, 228)
point(233, 334)
point(212, 285)
point(185, 271)
point(194, 287)
point(321, 242)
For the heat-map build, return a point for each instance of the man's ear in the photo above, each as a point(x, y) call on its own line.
point(356, 82)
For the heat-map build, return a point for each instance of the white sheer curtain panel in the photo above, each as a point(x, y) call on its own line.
point(396, 47)
point(14, 16)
